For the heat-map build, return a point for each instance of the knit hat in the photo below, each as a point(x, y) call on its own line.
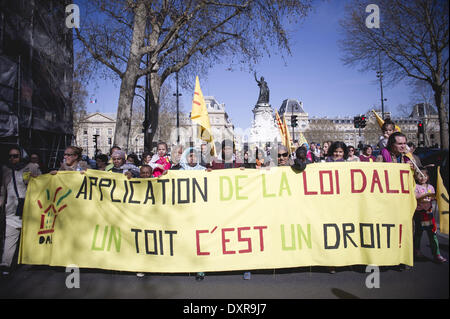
point(119, 153)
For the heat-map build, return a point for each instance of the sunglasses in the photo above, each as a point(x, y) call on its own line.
point(14, 155)
point(283, 154)
point(67, 154)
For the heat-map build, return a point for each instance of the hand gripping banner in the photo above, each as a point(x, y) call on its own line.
point(332, 214)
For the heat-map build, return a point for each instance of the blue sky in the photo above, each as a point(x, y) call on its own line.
point(314, 74)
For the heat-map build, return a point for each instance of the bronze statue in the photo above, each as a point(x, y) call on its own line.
point(263, 91)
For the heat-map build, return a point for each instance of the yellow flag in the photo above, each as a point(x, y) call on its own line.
point(380, 121)
point(302, 139)
point(442, 201)
point(288, 142)
point(281, 128)
point(200, 116)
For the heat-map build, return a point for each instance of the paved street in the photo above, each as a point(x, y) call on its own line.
point(426, 280)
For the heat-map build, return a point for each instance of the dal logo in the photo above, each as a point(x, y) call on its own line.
point(49, 213)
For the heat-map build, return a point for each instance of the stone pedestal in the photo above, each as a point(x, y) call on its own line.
point(264, 129)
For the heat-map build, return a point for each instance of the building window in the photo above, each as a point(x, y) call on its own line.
point(109, 131)
point(85, 141)
point(97, 131)
point(85, 131)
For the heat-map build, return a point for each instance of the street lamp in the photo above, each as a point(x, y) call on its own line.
point(380, 76)
point(178, 109)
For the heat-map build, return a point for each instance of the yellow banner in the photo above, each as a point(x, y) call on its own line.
point(332, 214)
point(442, 202)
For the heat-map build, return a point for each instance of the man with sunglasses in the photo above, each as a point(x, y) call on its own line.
point(283, 156)
point(13, 187)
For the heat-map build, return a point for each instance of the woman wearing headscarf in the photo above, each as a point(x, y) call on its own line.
point(189, 160)
point(120, 165)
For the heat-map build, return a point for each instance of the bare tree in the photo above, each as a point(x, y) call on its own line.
point(411, 42)
point(79, 95)
point(135, 38)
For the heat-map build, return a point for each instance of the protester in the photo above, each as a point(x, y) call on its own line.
point(101, 161)
point(146, 158)
point(13, 187)
point(189, 160)
point(260, 160)
point(175, 157)
point(120, 166)
point(205, 153)
point(246, 160)
point(366, 155)
point(133, 159)
point(351, 154)
point(338, 152)
point(411, 149)
point(228, 160)
point(73, 160)
point(35, 158)
point(228, 157)
point(301, 159)
point(111, 151)
point(160, 162)
point(324, 154)
point(423, 216)
point(395, 151)
point(313, 153)
point(283, 156)
point(387, 129)
point(145, 171)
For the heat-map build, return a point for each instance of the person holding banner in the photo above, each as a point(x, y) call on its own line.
point(423, 216)
point(189, 161)
point(228, 157)
point(228, 161)
point(119, 165)
point(351, 154)
point(175, 157)
point(283, 156)
point(338, 152)
point(395, 151)
point(73, 160)
point(13, 187)
point(301, 159)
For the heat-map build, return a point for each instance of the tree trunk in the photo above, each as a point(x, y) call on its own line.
point(123, 119)
point(155, 90)
point(129, 78)
point(443, 124)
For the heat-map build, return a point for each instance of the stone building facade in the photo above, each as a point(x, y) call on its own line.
point(321, 129)
point(314, 129)
point(103, 124)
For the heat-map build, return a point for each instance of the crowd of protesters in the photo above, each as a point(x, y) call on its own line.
point(393, 148)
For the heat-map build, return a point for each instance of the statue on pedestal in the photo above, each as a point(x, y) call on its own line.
point(263, 91)
point(264, 129)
